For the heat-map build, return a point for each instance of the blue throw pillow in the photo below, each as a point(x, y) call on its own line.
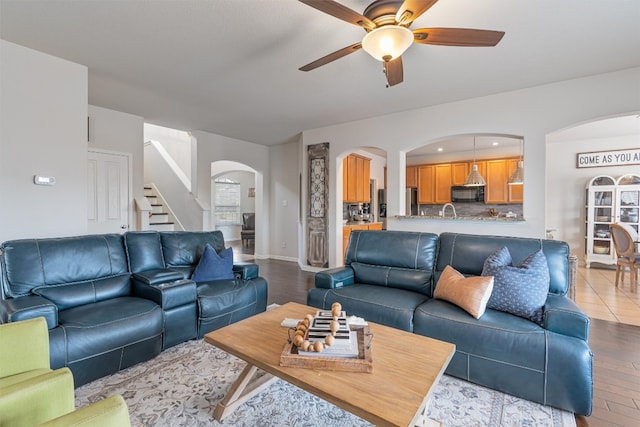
point(213, 266)
point(521, 289)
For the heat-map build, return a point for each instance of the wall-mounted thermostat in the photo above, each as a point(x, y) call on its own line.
point(44, 180)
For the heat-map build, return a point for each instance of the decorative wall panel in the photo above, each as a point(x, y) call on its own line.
point(317, 221)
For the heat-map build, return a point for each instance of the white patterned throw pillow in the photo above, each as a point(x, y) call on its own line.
point(518, 289)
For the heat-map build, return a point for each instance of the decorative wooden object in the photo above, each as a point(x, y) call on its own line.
point(364, 362)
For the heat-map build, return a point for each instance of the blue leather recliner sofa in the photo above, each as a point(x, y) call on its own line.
point(389, 278)
point(111, 300)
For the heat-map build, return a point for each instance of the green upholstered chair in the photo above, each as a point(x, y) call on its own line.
point(30, 391)
point(109, 412)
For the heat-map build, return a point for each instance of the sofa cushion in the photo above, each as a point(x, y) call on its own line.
point(223, 302)
point(518, 289)
point(467, 253)
point(213, 266)
point(387, 306)
point(469, 293)
point(36, 263)
point(144, 251)
point(184, 248)
point(397, 259)
point(495, 336)
point(69, 295)
point(113, 324)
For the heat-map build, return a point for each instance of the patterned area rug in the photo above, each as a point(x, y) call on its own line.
point(182, 386)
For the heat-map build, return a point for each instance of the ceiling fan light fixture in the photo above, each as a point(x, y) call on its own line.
point(388, 42)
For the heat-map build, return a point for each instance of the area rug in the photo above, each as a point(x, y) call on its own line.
point(182, 386)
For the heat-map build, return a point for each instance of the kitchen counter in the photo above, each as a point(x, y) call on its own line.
point(359, 223)
point(500, 218)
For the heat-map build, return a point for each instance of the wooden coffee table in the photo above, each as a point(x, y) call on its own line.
point(406, 367)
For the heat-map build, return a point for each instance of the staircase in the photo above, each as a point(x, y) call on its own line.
point(158, 218)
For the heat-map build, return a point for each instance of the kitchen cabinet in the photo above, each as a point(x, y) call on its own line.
point(426, 178)
point(515, 192)
point(434, 181)
point(442, 183)
point(459, 172)
point(412, 177)
point(496, 174)
point(347, 229)
point(609, 201)
point(356, 173)
point(496, 178)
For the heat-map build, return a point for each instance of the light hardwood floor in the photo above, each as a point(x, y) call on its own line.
point(614, 337)
point(597, 295)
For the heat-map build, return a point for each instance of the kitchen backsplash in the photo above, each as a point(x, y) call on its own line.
point(471, 209)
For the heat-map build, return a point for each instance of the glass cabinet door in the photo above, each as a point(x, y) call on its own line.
point(601, 212)
point(628, 197)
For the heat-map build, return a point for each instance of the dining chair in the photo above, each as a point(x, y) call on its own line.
point(624, 241)
point(248, 232)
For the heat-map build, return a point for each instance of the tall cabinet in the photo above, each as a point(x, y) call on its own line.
point(609, 201)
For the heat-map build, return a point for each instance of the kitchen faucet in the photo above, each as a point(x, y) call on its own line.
point(442, 212)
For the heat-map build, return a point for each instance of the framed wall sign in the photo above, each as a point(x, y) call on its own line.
point(597, 159)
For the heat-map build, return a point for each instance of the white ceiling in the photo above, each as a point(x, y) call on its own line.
point(230, 67)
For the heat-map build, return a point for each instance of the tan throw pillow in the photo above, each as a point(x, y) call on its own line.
point(469, 293)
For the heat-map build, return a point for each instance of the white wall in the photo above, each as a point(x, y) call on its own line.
point(532, 113)
point(43, 131)
point(176, 142)
point(284, 207)
point(113, 131)
point(210, 148)
point(566, 184)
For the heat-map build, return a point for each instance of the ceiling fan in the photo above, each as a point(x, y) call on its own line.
point(388, 35)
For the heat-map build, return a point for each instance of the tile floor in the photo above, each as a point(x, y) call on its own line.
point(598, 297)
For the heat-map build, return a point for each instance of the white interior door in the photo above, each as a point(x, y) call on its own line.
point(108, 192)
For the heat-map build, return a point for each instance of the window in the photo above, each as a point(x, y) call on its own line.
point(227, 210)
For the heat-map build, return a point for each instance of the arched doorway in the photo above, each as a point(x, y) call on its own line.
point(233, 204)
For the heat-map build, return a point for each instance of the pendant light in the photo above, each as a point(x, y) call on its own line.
point(474, 179)
point(517, 177)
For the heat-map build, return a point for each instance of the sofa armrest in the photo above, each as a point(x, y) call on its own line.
point(28, 307)
point(563, 316)
point(112, 411)
point(246, 270)
point(167, 295)
point(37, 399)
point(334, 278)
point(154, 277)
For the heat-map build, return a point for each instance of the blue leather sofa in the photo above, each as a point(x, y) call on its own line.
point(111, 301)
point(389, 278)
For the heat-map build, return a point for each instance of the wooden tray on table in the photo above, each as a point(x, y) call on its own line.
point(363, 363)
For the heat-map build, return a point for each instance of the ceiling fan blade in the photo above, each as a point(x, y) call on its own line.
point(457, 37)
point(411, 10)
point(393, 70)
point(331, 57)
point(339, 11)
